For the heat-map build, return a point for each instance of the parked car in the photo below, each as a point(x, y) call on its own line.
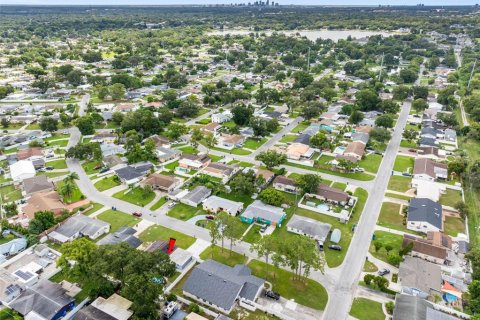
point(335, 247)
point(171, 205)
point(98, 166)
point(320, 245)
point(137, 214)
point(272, 295)
point(210, 217)
point(49, 168)
point(383, 272)
point(104, 170)
point(263, 228)
point(412, 150)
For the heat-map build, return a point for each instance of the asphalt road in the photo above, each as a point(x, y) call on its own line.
point(341, 297)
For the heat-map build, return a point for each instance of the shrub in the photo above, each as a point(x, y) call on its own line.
point(389, 306)
point(171, 297)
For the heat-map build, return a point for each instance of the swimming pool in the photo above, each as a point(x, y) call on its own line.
point(323, 207)
point(339, 150)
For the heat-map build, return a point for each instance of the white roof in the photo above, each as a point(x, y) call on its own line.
point(428, 189)
point(180, 256)
point(22, 169)
point(218, 202)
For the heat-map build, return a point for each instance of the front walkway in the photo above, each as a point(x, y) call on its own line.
point(198, 247)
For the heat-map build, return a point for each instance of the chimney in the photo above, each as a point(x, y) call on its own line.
point(171, 244)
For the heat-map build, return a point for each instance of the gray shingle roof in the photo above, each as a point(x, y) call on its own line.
point(409, 307)
point(92, 313)
point(222, 285)
point(423, 209)
point(303, 139)
point(124, 234)
point(81, 224)
point(198, 194)
point(309, 226)
point(133, 171)
point(258, 209)
point(37, 183)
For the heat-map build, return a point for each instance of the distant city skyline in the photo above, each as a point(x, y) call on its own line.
point(213, 2)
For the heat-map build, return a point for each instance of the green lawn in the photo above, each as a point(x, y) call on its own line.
point(404, 164)
point(453, 226)
point(96, 207)
point(159, 203)
point(333, 258)
point(365, 309)
point(254, 144)
point(57, 136)
point(158, 232)
point(76, 195)
point(226, 256)
point(59, 143)
point(240, 152)
point(399, 183)
point(369, 266)
point(407, 144)
point(398, 196)
point(9, 314)
point(171, 166)
point(386, 238)
point(288, 138)
point(357, 175)
point(52, 174)
point(215, 158)
point(184, 212)
point(451, 198)
point(10, 193)
point(107, 183)
point(57, 164)
point(89, 166)
point(305, 292)
point(189, 149)
point(300, 127)
point(253, 235)
point(136, 196)
point(11, 150)
point(390, 217)
point(118, 219)
point(371, 162)
point(247, 200)
point(339, 185)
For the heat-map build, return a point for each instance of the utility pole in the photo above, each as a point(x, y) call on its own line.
point(308, 60)
point(381, 68)
point(471, 74)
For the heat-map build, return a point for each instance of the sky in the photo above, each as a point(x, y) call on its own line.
point(186, 2)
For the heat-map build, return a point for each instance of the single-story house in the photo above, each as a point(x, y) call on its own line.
point(418, 277)
point(45, 300)
point(220, 170)
point(216, 204)
point(222, 117)
point(109, 149)
point(181, 258)
point(424, 215)
point(285, 184)
point(30, 153)
point(104, 137)
point(309, 227)
point(114, 162)
point(79, 226)
point(329, 194)
point(425, 250)
point(427, 169)
point(231, 141)
point(211, 128)
point(44, 201)
point(114, 307)
point(10, 288)
point(196, 196)
point(408, 307)
point(160, 141)
point(37, 184)
point(123, 234)
point(165, 154)
point(450, 135)
point(193, 161)
point(21, 170)
point(429, 132)
point(428, 142)
point(12, 248)
point(299, 151)
point(220, 286)
point(162, 182)
point(263, 213)
point(429, 152)
point(133, 173)
point(267, 175)
point(360, 137)
point(355, 149)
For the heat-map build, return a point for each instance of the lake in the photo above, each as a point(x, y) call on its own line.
point(313, 35)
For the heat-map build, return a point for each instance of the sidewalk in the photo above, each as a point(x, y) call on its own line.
point(400, 233)
point(110, 192)
point(198, 247)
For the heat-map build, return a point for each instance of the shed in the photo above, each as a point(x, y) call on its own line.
point(336, 236)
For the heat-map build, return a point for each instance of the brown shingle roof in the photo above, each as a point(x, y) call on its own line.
point(427, 166)
point(284, 180)
point(423, 247)
point(43, 201)
point(160, 180)
point(333, 194)
point(356, 147)
point(29, 152)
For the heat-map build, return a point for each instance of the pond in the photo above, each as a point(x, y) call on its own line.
point(312, 35)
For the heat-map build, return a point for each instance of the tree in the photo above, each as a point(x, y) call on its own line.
point(233, 229)
point(356, 117)
point(241, 114)
point(410, 134)
point(420, 92)
point(264, 248)
point(243, 183)
point(378, 245)
point(215, 233)
point(367, 99)
point(48, 124)
point(85, 151)
point(5, 122)
point(381, 282)
point(385, 121)
point(271, 158)
point(309, 182)
point(85, 125)
point(117, 91)
point(389, 106)
point(65, 119)
point(320, 140)
point(187, 109)
point(401, 92)
point(210, 141)
point(419, 105)
point(302, 79)
point(117, 117)
point(368, 278)
point(196, 137)
point(259, 127)
point(272, 196)
point(71, 177)
point(380, 135)
point(408, 75)
point(43, 220)
point(66, 190)
point(312, 110)
point(176, 130)
point(74, 77)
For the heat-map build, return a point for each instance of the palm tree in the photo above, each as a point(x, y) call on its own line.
point(71, 177)
point(67, 189)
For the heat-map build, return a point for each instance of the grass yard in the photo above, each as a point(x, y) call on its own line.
point(234, 196)
point(11, 150)
point(52, 174)
point(189, 149)
point(89, 166)
point(453, 226)
point(76, 195)
point(371, 162)
point(159, 203)
point(390, 217)
point(226, 256)
point(288, 138)
point(451, 198)
point(397, 196)
point(408, 144)
point(253, 235)
point(215, 158)
point(184, 212)
point(386, 239)
point(171, 166)
point(9, 314)
point(96, 207)
point(254, 144)
point(59, 143)
point(306, 291)
point(404, 164)
point(238, 152)
point(369, 266)
point(399, 183)
point(366, 309)
point(107, 183)
point(118, 219)
point(10, 193)
point(56, 136)
point(300, 127)
point(158, 232)
point(57, 164)
point(136, 196)
point(339, 185)
point(357, 175)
